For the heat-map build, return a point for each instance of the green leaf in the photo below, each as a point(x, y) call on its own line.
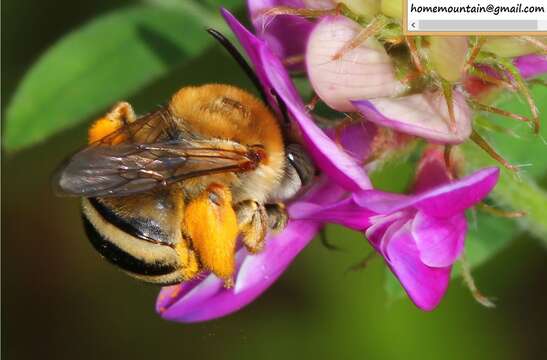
point(104, 61)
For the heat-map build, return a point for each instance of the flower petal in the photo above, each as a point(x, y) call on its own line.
point(442, 201)
point(251, 44)
point(327, 155)
point(439, 240)
point(355, 139)
point(382, 202)
point(455, 197)
point(424, 115)
point(432, 170)
point(382, 223)
point(345, 212)
point(209, 299)
point(424, 285)
point(258, 272)
point(201, 300)
point(285, 34)
point(362, 73)
point(531, 65)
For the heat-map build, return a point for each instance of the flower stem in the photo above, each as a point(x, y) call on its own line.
point(491, 79)
point(414, 53)
point(499, 212)
point(521, 85)
point(474, 53)
point(447, 92)
point(480, 141)
point(491, 109)
point(472, 286)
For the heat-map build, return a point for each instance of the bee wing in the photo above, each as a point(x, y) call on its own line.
point(146, 129)
point(130, 168)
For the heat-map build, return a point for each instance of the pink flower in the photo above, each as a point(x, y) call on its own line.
point(421, 235)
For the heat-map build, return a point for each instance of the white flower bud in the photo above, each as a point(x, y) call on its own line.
point(364, 72)
point(448, 55)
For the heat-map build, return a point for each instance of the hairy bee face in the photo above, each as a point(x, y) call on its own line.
point(166, 195)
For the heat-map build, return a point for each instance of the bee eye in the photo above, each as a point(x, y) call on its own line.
point(301, 163)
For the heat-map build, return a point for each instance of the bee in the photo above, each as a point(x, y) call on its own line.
point(167, 195)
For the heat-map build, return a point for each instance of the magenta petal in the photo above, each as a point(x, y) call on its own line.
point(531, 65)
point(178, 302)
point(439, 240)
point(251, 44)
point(355, 139)
point(258, 272)
point(443, 201)
point(381, 202)
point(345, 212)
point(457, 196)
point(432, 171)
point(380, 225)
point(323, 203)
point(211, 300)
point(424, 285)
point(285, 34)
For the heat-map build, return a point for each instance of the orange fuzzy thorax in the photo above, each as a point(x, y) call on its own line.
point(252, 124)
point(211, 223)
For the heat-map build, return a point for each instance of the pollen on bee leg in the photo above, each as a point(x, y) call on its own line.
point(189, 261)
point(211, 223)
point(121, 114)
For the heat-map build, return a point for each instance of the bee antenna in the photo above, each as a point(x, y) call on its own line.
point(240, 60)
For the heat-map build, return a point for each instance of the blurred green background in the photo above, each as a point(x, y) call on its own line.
point(60, 300)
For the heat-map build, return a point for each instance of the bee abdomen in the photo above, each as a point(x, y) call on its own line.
point(121, 258)
point(124, 245)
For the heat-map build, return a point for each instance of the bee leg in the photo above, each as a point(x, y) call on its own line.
point(252, 220)
point(121, 114)
point(211, 224)
point(226, 104)
point(189, 262)
point(277, 217)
